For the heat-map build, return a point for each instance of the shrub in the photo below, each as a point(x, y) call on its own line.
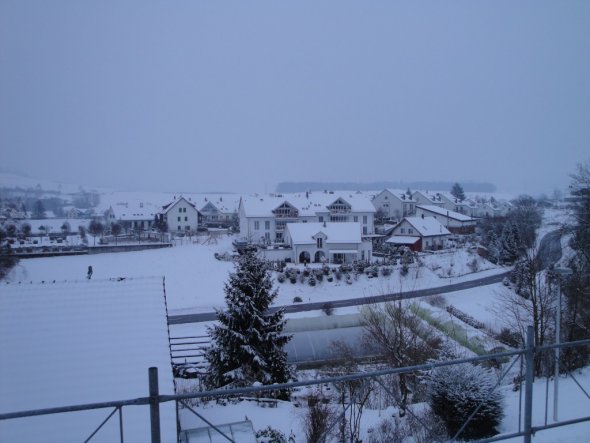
point(330, 278)
point(455, 393)
point(297, 299)
point(404, 269)
point(293, 278)
point(326, 270)
point(386, 271)
point(438, 301)
point(328, 308)
point(311, 280)
point(348, 279)
point(473, 265)
point(306, 272)
point(509, 337)
point(338, 274)
point(388, 431)
point(317, 419)
point(270, 435)
point(319, 276)
point(281, 278)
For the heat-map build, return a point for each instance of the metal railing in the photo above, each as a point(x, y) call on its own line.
point(525, 427)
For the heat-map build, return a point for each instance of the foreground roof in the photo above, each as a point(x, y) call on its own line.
point(81, 342)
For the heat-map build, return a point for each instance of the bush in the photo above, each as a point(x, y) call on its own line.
point(270, 435)
point(326, 270)
point(509, 338)
point(404, 269)
point(317, 419)
point(388, 431)
point(311, 280)
point(281, 278)
point(438, 301)
point(306, 272)
point(330, 278)
point(328, 308)
point(293, 278)
point(385, 271)
point(338, 274)
point(297, 299)
point(457, 391)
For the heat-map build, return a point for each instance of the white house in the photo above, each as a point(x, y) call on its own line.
point(263, 218)
point(218, 209)
point(419, 234)
point(394, 204)
point(427, 198)
point(181, 215)
point(454, 221)
point(334, 242)
point(137, 216)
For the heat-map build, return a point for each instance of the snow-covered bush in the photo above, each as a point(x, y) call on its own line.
point(281, 278)
point(270, 435)
point(297, 299)
point(312, 280)
point(458, 391)
point(386, 271)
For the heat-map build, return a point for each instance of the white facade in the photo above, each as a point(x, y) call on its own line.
point(338, 242)
point(427, 198)
point(394, 204)
point(263, 218)
point(432, 235)
point(181, 216)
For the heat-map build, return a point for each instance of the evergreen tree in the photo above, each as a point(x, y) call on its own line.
point(39, 210)
point(457, 192)
point(248, 341)
point(457, 391)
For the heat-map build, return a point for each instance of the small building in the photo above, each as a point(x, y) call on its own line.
point(327, 242)
point(428, 198)
point(419, 234)
point(181, 215)
point(455, 222)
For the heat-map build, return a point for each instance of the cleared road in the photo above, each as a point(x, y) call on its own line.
point(302, 307)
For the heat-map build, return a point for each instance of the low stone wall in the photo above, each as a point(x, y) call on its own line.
point(275, 254)
point(126, 248)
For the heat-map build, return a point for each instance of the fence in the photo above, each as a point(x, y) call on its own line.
point(526, 430)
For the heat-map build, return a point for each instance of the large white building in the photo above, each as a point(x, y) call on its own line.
point(327, 242)
point(263, 218)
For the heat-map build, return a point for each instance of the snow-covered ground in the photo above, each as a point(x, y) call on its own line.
point(195, 279)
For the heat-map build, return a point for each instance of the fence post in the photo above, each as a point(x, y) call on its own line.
point(528, 389)
point(154, 404)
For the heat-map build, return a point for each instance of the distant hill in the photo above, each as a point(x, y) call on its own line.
point(377, 186)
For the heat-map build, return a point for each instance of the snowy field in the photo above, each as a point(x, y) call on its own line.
point(195, 279)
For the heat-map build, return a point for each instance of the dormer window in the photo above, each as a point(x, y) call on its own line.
point(320, 242)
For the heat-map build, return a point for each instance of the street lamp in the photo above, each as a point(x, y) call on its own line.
point(562, 272)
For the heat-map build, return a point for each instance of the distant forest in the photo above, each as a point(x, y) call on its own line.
point(377, 186)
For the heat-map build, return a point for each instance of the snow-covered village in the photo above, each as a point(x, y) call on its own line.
point(275, 222)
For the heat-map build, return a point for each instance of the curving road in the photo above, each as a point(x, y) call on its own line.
point(301, 307)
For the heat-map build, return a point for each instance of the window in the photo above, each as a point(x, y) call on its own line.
point(320, 242)
point(410, 231)
point(187, 228)
point(355, 218)
point(365, 231)
point(179, 209)
point(179, 228)
point(364, 219)
point(185, 218)
point(321, 218)
point(267, 225)
point(402, 231)
point(363, 252)
point(267, 236)
point(256, 225)
point(178, 218)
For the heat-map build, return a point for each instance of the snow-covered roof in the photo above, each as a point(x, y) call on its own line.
point(445, 212)
point(170, 205)
point(304, 233)
point(427, 226)
point(402, 240)
point(308, 204)
point(400, 194)
point(81, 342)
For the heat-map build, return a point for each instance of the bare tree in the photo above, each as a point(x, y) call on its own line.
point(533, 302)
point(401, 337)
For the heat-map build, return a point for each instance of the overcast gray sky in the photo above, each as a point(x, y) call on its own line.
point(238, 96)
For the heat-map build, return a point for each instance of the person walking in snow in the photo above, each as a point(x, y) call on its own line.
point(89, 276)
